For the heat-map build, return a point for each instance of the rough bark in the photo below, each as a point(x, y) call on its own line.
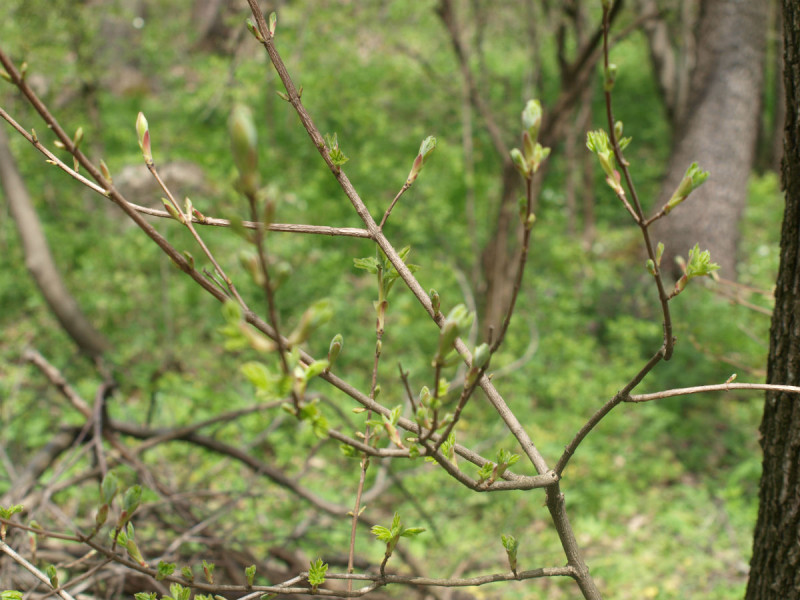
point(39, 259)
point(775, 565)
point(718, 130)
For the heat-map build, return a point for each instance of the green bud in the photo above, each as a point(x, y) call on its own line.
point(251, 27)
point(532, 118)
point(244, 147)
point(109, 487)
point(106, 173)
point(334, 349)
point(424, 396)
point(651, 266)
point(425, 150)
point(250, 572)
point(78, 137)
point(692, 179)
point(435, 302)
point(481, 356)
point(528, 147)
point(101, 516)
point(540, 153)
point(659, 253)
point(132, 499)
point(143, 132)
point(52, 575)
point(456, 321)
point(520, 163)
point(172, 211)
point(189, 258)
point(273, 22)
point(610, 77)
point(511, 545)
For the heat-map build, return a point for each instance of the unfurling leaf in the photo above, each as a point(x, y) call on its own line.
point(511, 545)
point(425, 150)
point(165, 569)
point(316, 573)
point(692, 179)
point(250, 573)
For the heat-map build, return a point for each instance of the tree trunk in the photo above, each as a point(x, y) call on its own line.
point(39, 259)
point(775, 566)
point(718, 130)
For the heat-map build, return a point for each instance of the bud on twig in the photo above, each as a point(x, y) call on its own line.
point(143, 132)
point(244, 147)
point(692, 179)
point(426, 148)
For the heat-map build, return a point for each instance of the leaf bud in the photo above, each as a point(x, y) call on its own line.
point(244, 147)
point(435, 302)
point(334, 349)
point(532, 118)
point(106, 173)
point(143, 131)
point(251, 27)
point(520, 163)
point(273, 22)
point(481, 356)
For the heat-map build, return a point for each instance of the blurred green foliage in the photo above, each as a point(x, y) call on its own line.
point(667, 489)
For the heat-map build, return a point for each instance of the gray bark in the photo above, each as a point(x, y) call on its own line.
point(718, 130)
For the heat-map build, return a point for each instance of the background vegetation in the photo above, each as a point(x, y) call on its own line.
point(668, 489)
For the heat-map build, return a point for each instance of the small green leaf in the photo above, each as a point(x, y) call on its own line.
point(6, 513)
point(316, 573)
point(380, 532)
point(208, 571)
point(250, 573)
point(165, 570)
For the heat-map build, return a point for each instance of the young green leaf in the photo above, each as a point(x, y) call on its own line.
point(316, 573)
point(511, 545)
point(250, 573)
point(208, 571)
point(165, 569)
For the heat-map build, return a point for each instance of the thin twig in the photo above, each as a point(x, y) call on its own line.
point(32, 569)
